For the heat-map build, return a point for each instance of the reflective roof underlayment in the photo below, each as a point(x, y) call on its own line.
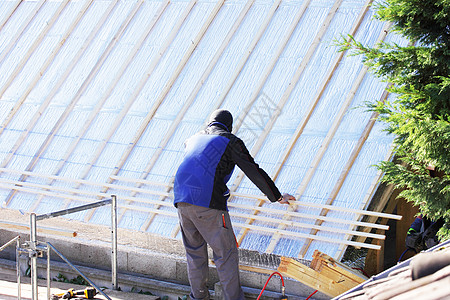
point(98, 96)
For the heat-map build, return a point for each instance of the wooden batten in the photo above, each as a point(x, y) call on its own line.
point(10, 13)
point(324, 274)
point(40, 229)
point(149, 71)
point(247, 54)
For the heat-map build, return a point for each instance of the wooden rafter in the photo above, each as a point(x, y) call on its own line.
point(5, 53)
point(170, 83)
point(375, 182)
point(268, 70)
point(328, 139)
point(314, 103)
point(247, 54)
point(255, 94)
point(19, 67)
point(159, 100)
point(190, 100)
point(155, 61)
point(289, 89)
point(10, 13)
point(166, 192)
point(105, 96)
point(38, 77)
point(81, 90)
point(318, 96)
point(20, 30)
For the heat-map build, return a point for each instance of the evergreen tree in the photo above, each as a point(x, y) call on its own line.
point(419, 116)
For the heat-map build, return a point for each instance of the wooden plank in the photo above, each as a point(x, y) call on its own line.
point(325, 275)
point(254, 96)
point(32, 48)
point(153, 192)
point(171, 81)
point(262, 197)
point(301, 225)
point(12, 184)
point(10, 13)
point(40, 229)
point(325, 206)
point(81, 90)
point(303, 235)
point(318, 96)
point(173, 213)
point(188, 103)
point(21, 29)
point(297, 75)
point(326, 142)
point(307, 216)
point(39, 75)
point(269, 69)
point(247, 54)
point(143, 81)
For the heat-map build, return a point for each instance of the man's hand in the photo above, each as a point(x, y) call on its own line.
point(285, 198)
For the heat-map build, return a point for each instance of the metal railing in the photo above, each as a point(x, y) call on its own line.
point(36, 249)
point(17, 240)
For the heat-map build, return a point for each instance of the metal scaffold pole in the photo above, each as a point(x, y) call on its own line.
point(33, 242)
point(114, 242)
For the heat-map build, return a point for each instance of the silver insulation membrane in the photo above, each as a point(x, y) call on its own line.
point(79, 117)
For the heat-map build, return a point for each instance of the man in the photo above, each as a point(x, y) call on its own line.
point(201, 197)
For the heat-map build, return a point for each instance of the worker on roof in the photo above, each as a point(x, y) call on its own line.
point(201, 194)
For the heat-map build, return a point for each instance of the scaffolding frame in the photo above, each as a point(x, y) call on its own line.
point(35, 248)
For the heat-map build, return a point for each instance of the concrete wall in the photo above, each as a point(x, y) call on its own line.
point(145, 257)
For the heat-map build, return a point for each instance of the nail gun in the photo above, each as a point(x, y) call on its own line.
point(88, 293)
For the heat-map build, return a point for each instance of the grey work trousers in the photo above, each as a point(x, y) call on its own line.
point(201, 226)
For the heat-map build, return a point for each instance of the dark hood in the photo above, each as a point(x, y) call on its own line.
point(222, 117)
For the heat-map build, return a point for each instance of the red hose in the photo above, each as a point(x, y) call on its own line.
point(311, 294)
point(282, 283)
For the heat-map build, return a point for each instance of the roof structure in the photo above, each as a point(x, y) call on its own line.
point(424, 275)
point(98, 96)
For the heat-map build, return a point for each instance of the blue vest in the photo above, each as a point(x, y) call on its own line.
point(197, 175)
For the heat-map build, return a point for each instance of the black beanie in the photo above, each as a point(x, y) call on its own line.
point(223, 117)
